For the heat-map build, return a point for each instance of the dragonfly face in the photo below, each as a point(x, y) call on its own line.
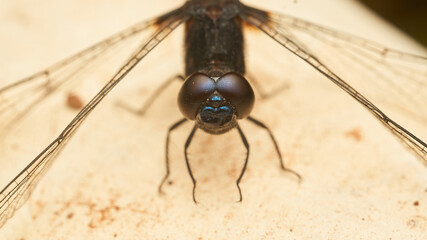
point(216, 104)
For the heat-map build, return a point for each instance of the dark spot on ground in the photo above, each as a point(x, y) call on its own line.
point(74, 102)
point(103, 216)
point(355, 134)
point(70, 215)
point(416, 203)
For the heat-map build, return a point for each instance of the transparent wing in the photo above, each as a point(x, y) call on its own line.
point(19, 189)
point(392, 79)
point(19, 98)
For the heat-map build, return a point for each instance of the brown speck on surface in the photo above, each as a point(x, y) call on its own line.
point(170, 182)
point(355, 134)
point(70, 215)
point(411, 223)
point(416, 203)
point(39, 208)
point(115, 235)
point(232, 172)
point(205, 180)
point(91, 225)
point(291, 230)
point(74, 102)
point(103, 216)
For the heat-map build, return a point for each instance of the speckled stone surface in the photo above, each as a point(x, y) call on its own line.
point(358, 181)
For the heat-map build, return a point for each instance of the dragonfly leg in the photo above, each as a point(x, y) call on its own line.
point(282, 164)
point(245, 142)
point(171, 128)
point(187, 144)
point(266, 95)
point(143, 109)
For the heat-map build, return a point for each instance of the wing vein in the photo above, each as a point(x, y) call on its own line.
point(18, 190)
point(266, 26)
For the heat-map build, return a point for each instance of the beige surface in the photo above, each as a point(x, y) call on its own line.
point(359, 183)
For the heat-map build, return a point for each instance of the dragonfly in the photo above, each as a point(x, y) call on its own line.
point(386, 66)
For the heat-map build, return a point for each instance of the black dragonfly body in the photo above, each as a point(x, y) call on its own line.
point(215, 94)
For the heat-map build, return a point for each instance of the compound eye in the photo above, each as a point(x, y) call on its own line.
point(236, 89)
point(195, 90)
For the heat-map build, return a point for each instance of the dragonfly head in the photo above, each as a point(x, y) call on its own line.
point(216, 103)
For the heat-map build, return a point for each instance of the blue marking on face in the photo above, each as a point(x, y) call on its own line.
point(216, 115)
point(216, 98)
